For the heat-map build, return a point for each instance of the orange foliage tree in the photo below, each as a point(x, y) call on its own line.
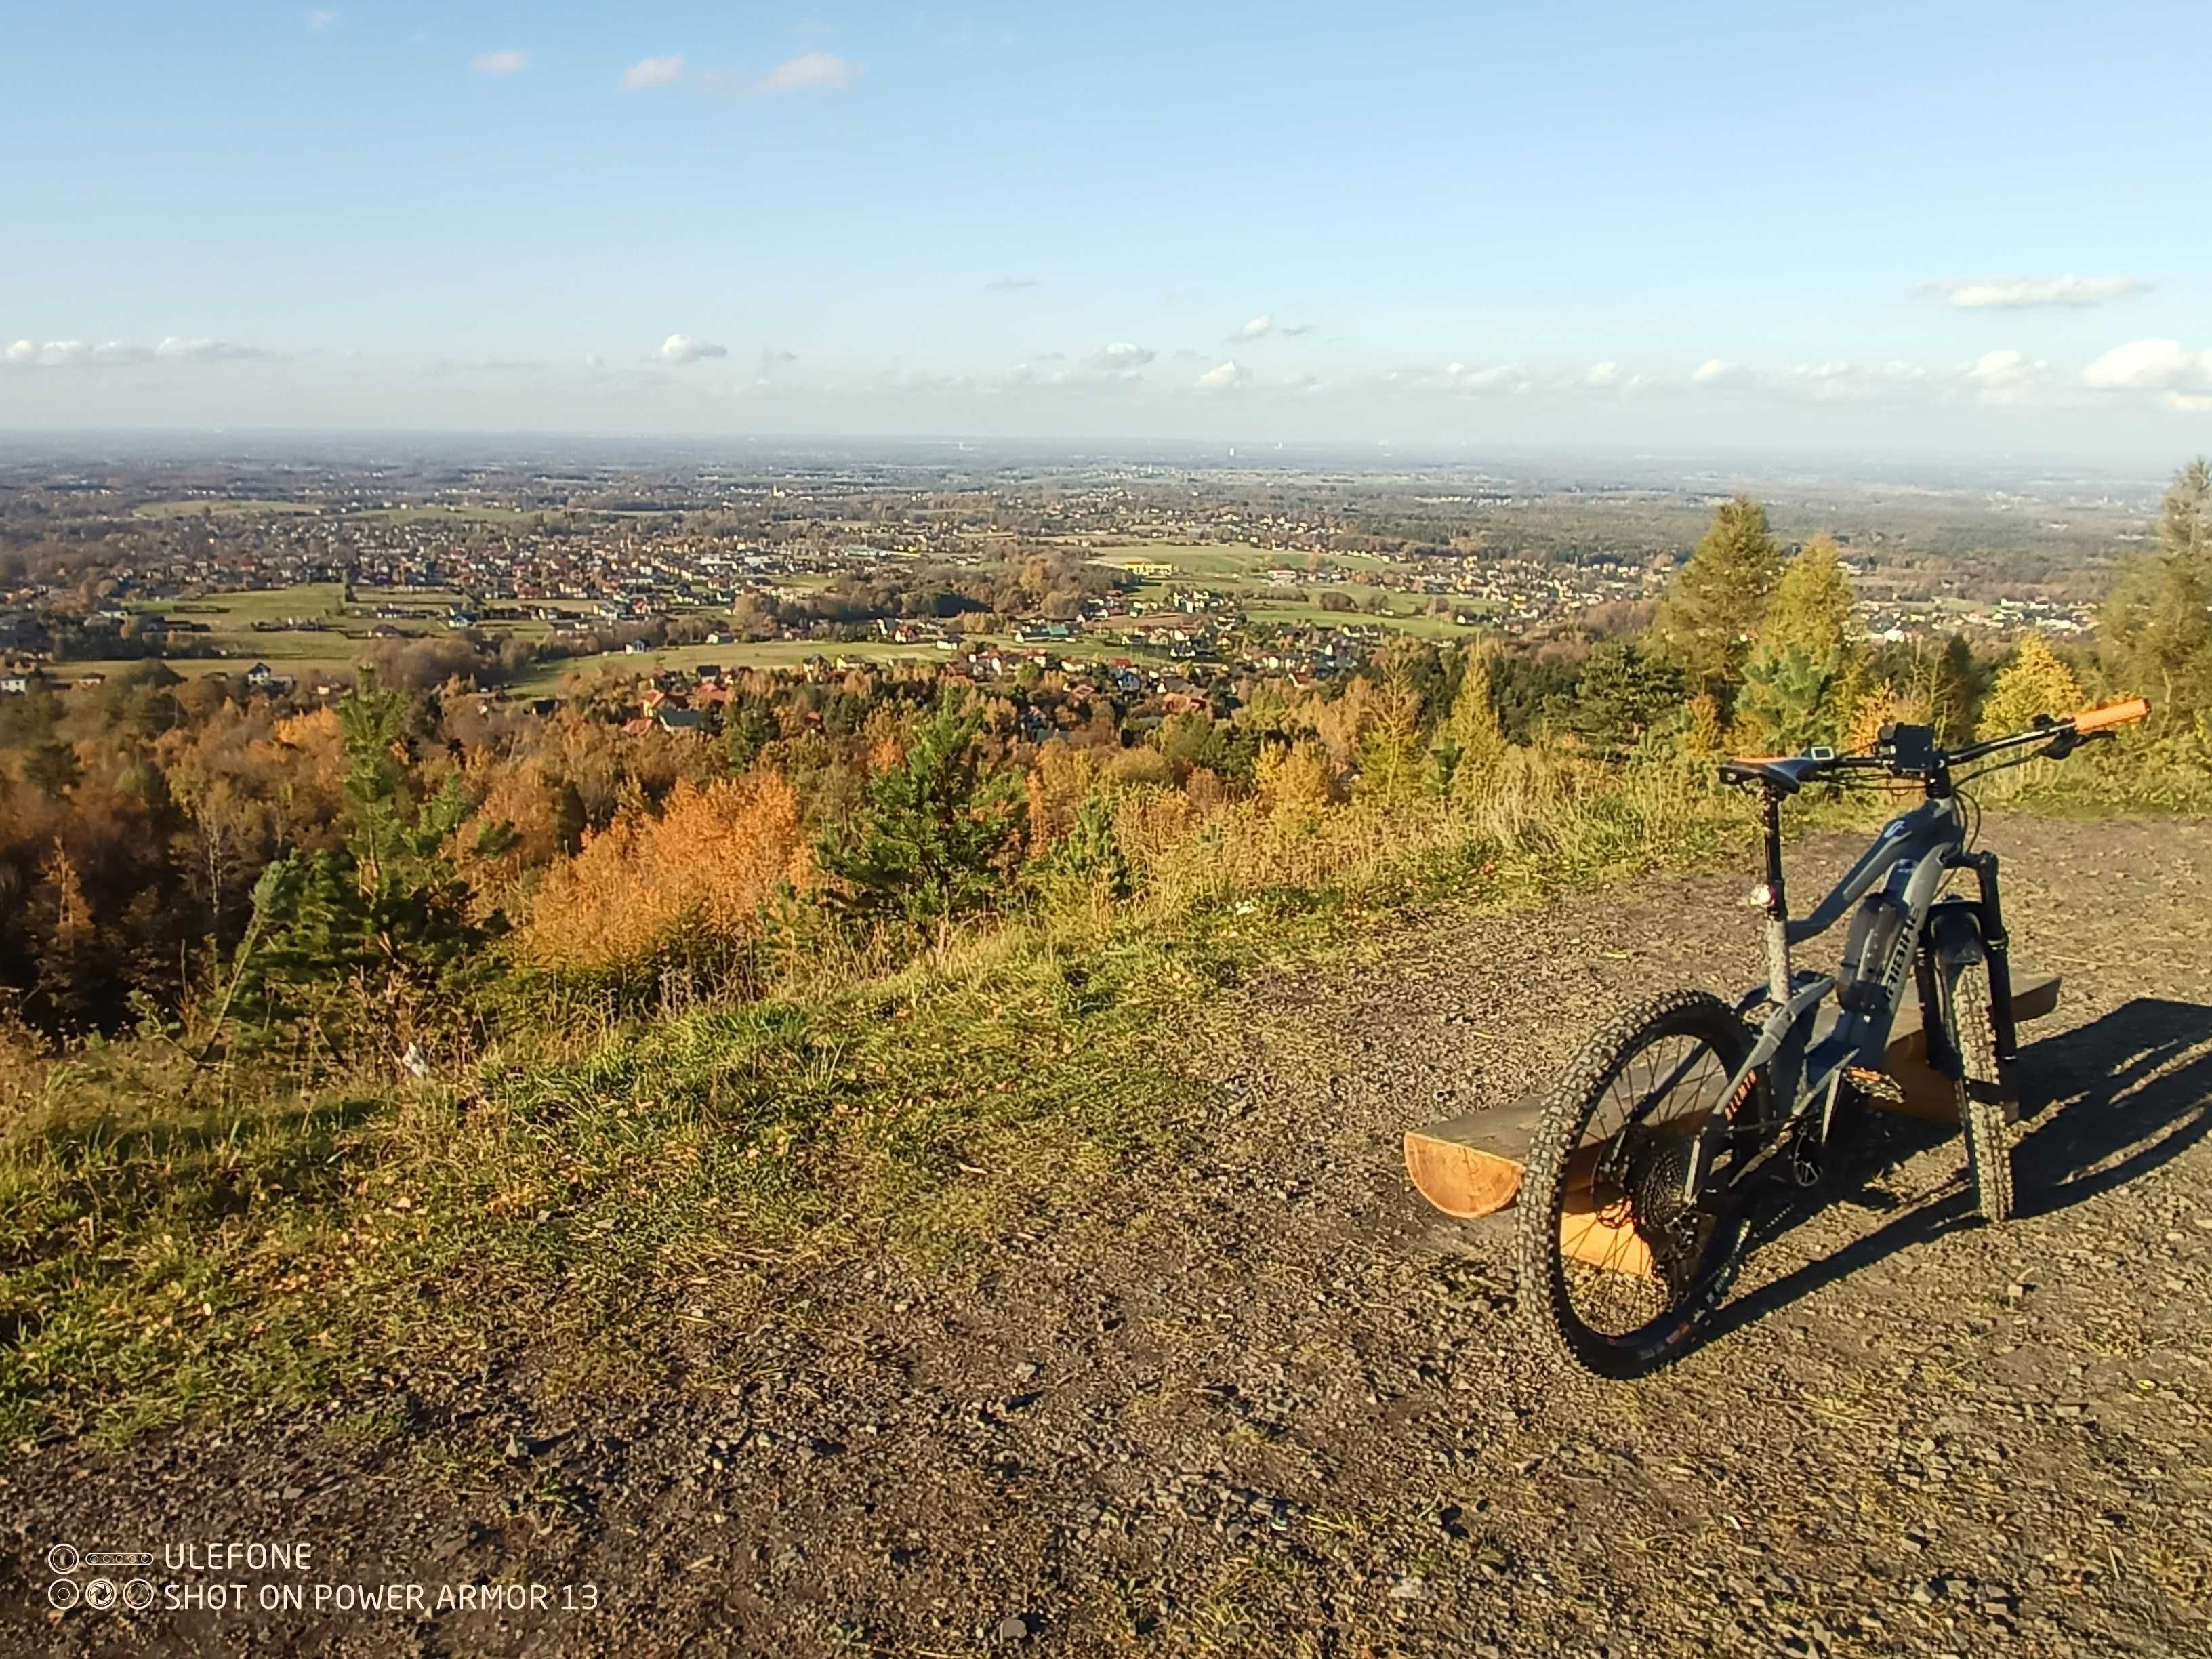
point(685, 887)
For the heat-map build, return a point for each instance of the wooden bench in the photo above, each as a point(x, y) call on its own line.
point(1470, 1166)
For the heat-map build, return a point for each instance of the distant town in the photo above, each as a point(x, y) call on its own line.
point(1145, 577)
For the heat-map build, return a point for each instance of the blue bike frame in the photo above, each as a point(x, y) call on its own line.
point(1897, 921)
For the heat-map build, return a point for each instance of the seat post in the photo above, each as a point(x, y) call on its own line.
point(1776, 904)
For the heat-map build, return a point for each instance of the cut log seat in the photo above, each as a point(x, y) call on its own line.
point(1470, 1166)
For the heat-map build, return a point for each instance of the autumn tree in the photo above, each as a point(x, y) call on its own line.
point(2034, 683)
point(1471, 737)
point(1719, 597)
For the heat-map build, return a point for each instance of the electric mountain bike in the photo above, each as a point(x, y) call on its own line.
point(1655, 1148)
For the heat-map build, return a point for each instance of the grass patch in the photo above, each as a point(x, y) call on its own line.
point(224, 507)
point(176, 1245)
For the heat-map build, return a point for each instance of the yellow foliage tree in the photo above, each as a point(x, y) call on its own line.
point(1295, 780)
point(1058, 781)
point(1390, 771)
point(1470, 738)
point(1704, 734)
point(2033, 683)
point(689, 882)
point(1878, 706)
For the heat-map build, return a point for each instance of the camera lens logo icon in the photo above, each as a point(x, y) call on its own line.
point(99, 1595)
point(62, 1558)
point(62, 1593)
point(138, 1596)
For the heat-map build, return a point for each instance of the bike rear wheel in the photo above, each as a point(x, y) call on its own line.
point(1617, 1268)
point(1983, 1085)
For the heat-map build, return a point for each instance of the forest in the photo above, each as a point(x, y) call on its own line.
point(396, 871)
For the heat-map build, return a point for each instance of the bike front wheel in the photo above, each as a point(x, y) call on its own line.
point(1618, 1263)
point(1983, 1085)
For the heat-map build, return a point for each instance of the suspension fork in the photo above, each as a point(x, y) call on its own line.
point(1997, 944)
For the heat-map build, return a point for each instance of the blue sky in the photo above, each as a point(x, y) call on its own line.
point(1966, 227)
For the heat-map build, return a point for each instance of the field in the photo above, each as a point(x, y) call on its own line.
point(222, 509)
point(1226, 567)
point(1241, 573)
point(549, 678)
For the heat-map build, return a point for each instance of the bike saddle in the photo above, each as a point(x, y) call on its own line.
point(1784, 773)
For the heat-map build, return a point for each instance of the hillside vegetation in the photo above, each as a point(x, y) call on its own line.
point(413, 1025)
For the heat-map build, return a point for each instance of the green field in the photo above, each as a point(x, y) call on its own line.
point(223, 509)
point(1408, 613)
point(549, 678)
point(441, 512)
point(1225, 565)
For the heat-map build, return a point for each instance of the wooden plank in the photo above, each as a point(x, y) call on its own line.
point(1602, 1238)
point(1470, 1166)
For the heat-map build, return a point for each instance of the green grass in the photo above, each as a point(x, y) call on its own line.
point(466, 512)
point(550, 676)
point(176, 1244)
point(1207, 562)
point(320, 601)
point(223, 509)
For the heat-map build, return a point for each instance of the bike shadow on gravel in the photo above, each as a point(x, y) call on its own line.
point(2106, 1102)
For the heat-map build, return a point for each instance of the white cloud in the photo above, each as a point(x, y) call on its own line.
point(1493, 377)
point(1603, 375)
point(319, 20)
point(654, 72)
point(1258, 329)
point(1121, 358)
point(2006, 377)
point(1222, 376)
point(681, 349)
point(809, 69)
point(202, 351)
point(1715, 370)
point(74, 354)
point(2151, 366)
point(2022, 293)
point(508, 61)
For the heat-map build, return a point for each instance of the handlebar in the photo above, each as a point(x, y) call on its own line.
point(1910, 752)
point(2112, 713)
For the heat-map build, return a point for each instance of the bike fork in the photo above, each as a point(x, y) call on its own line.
point(1995, 943)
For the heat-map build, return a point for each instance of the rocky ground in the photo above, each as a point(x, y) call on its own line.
point(1266, 1402)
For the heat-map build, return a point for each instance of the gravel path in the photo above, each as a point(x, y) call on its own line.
point(1270, 1404)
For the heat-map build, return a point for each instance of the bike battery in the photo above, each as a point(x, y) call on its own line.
point(1868, 948)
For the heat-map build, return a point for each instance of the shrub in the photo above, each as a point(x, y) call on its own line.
point(683, 887)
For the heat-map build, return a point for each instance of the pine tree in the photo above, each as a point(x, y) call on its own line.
point(1622, 694)
point(748, 725)
point(2033, 683)
point(52, 769)
point(374, 940)
point(1709, 615)
point(1789, 703)
point(932, 831)
point(2154, 635)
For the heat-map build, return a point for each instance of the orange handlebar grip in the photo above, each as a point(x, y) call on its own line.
point(2112, 713)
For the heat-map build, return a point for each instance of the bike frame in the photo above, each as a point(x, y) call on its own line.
point(1898, 924)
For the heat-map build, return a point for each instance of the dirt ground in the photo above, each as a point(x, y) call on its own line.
point(1266, 1402)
